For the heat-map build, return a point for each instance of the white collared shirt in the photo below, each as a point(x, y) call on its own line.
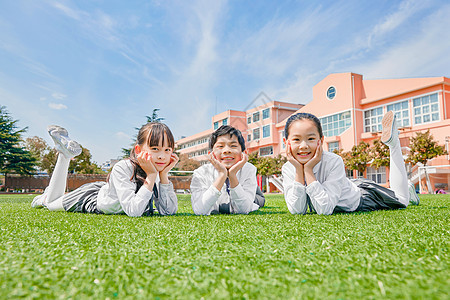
point(119, 194)
point(205, 197)
point(330, 190)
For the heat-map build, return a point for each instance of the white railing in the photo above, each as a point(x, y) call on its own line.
point(426, 171)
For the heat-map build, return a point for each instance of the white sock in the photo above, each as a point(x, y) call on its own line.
point(397, 175)
point(57, 186)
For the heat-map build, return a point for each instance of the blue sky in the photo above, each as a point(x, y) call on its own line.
point(98, 67)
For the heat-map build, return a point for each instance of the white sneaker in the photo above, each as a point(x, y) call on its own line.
point(38, 202)
point(413, 198)
point(63, 143)
point(389, 135)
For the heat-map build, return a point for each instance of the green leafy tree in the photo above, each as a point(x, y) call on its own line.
point(423, 148)
point(42, 152)
point(153, 118)
point(14, 158)
point(358, 158)
point(379, 152)
point(82, 164)
point(266, 165)
point(46, 158)
point(187, 164)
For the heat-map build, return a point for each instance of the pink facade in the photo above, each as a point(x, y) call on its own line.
point(350, 108)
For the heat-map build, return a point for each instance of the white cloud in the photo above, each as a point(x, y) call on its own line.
point(188, 97)
point(70, 12)
point(57, 106)
point(406, 10)
point(386, 53)
point(59, 96)
point(282, 42)
point(424, 54)
point(43, 98)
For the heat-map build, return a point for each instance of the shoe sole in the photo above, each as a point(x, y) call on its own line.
point(387, 123)
point(72, 148)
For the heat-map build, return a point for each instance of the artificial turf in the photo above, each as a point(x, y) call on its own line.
point(269, 254)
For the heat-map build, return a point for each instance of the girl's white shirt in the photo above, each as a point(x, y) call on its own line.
point(330, 190)
point(119, 194)
point(206, 197)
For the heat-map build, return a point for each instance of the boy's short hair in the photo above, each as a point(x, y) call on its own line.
point(224, 130)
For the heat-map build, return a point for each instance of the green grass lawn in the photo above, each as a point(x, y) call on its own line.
point(267, 254)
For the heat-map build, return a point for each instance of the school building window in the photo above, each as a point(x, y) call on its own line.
point(249, 137)
point(360, 174)
point(216, 125)
point(266, 131)
point(249, 120)
point(336, 124)
point(256, 134)
point(426, 109)
point(266, 151)
point(401, 110)
point(333, 146)
point(372, 119)
point(349, 173)
point(377, 175)
point(225, 122)
point(266, 113)
point(281, 139)
point(256, 117)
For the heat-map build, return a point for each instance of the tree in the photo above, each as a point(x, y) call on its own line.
point(14, 158)
point(187, 164)
point(46, 158)
point(267, 165)
point(82, 163)
point(423, 148)
point(153, 118)
point(44, 154)
point(379, 152)
point(358, 158)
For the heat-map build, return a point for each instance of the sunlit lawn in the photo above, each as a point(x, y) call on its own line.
point(267, 254)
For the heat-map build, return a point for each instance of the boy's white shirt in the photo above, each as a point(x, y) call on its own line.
point(331, 188)
point(205, 197)
point(119, 195)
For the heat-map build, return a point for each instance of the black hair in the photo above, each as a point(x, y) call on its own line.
point(224, 130)
point(303, 116)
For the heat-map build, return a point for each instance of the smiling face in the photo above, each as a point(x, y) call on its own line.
point(227, 150)
point(160, 154)
point(303, 138)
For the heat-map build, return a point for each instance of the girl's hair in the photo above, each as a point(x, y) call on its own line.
point(303, 116)
point(151, 134)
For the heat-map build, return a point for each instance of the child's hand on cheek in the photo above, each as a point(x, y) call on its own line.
point(237, 166)
point(316, 158)
point(299, 168)
point(290, 157)
point(173, 161)
point(145, 162)
point(216, 164)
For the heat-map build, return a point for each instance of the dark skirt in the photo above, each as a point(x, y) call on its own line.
point(83, 199)
point(376, 197)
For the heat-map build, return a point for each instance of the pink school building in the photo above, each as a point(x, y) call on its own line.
point(350, 109)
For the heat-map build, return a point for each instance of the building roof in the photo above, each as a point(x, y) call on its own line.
point(196, 136)
point(385, 88)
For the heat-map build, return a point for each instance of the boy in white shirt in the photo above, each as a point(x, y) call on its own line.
point(228, 184)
